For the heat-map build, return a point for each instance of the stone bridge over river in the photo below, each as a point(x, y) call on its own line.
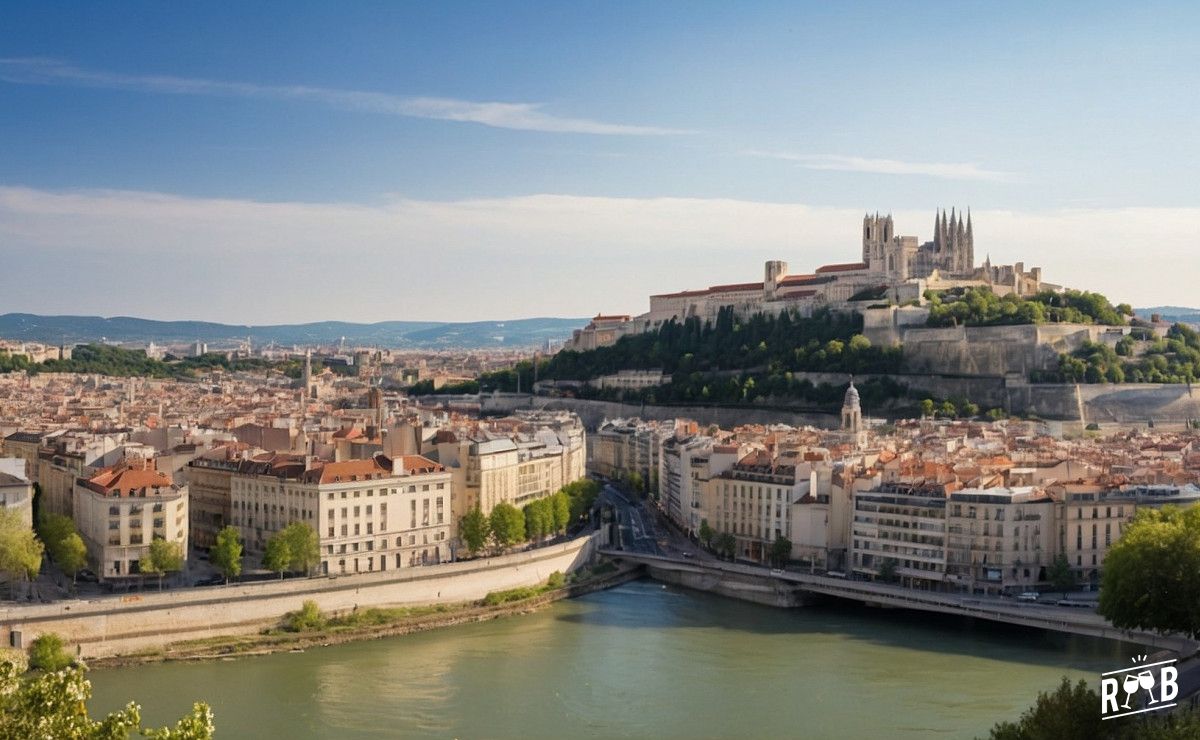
point(792, 588)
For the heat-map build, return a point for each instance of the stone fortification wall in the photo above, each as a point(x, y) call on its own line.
point(119, 625)
point(993, 351)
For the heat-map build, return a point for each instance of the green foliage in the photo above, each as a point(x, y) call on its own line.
point(539, 518)
point(887, 571)
point(495, 598)
point(1152, 573)
point(277, 555)
point(1060, 575)
point(165, 557)
point(1071, 712)
point(560, 511)
point(46, 653)
point(62, 542)
point(706, 533)
point(781, 551)
point(556, 580)
point(226, 553)
point(1173, 359)
point(103, 359)
point(20, 550)
point(581, 494)
point(306, 619)
point(927, 407)
point(979, 306)
point(295, 548)
point(473, 530)
point(739, 361)
point(726, 545)
point(506, 525)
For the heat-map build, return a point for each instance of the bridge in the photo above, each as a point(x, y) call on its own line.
point(792, 588)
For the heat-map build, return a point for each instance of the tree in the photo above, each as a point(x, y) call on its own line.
point(507, 525)
point(278, 554)
point(1152, 573)
point(560, 509)
point(927, 407)
point(226, 553)
point(726, 544)
point(636, 483)
point(164, 557)
point(537, 523)
point(781, 551)
point(304, 547)
point(72, 555)
point(947, 409)
point(887, 570)
point(20, 551)
point(1060, 575)
point(1068, 713)
point(473, 530)
point(55, 705)
point(706, 533)
point(46, 653)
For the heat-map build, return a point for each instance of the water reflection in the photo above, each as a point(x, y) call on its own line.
point(637, 661)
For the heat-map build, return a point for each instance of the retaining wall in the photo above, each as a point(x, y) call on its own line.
point(117, 625)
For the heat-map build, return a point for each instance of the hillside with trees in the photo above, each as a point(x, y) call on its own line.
point(979, 306)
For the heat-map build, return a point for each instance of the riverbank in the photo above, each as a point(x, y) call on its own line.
point(136, 623)
point(375, 624)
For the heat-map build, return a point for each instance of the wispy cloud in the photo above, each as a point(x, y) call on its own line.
point(548, 254)
point(519, 116)
point(944, 170)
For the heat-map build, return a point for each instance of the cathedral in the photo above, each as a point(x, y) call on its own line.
point(951, 253)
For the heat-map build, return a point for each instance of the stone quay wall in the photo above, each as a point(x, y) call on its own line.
point(123, 624)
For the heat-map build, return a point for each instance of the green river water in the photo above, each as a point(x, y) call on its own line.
point(637, 661)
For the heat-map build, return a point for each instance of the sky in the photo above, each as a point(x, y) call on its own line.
point(281, 162)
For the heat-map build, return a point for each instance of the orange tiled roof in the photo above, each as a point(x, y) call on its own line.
point(845, 267)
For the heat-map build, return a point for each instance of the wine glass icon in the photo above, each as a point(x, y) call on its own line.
point(1130, 684)
point(1146, 681)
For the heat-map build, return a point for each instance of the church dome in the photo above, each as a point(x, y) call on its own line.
point(851, 400)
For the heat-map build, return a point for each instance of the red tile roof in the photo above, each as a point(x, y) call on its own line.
point(845, 267)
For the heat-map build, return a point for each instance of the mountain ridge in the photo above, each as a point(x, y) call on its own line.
point(394, 334)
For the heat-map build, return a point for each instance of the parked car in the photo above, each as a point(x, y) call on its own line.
point(87, 576)
point(1029, 596)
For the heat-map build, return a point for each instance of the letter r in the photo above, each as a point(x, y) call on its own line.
point(1108, 693)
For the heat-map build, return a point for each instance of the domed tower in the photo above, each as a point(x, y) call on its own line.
point(851, 410)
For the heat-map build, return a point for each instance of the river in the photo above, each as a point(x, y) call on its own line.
point(640, 660)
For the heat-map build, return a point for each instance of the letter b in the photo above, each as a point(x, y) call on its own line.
point(1168, 688)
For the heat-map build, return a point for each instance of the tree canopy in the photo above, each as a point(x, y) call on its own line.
point(54, 705)
point(1151, 575)
point(507, 525)
point(226, 553)
point(473, 530)
point(20, 551)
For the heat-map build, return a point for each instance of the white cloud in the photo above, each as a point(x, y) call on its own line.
point(943, 170)
point(166, 256)
point(519, 116)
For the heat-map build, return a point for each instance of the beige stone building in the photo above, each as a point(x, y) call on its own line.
point(999, 540)
point(753, 498)
point(370, 515)
point(16, 492)
point(120, 510)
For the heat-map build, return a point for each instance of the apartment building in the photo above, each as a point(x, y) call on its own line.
point(620, 447)
point(904, 523)
point(683, 469)
point(210, 481)
point(999, 540)
point(120, 510)
point(370, 515)
point(752, 498)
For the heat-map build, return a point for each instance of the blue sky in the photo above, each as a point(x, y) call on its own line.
point(298, 161)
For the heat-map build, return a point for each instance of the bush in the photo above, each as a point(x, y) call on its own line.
point(495, 598)
point(46, 653)
point(556, 580)
point(308, 618)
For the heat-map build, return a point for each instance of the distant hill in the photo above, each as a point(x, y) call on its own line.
point(1178, 314)
point(394, 334)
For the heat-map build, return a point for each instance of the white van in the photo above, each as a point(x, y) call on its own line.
point(1029, 596)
